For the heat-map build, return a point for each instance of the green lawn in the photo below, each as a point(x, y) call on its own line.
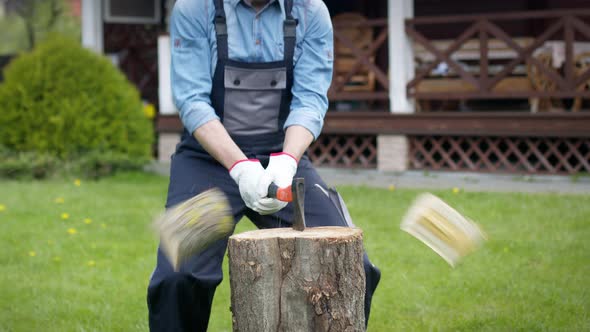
point(532, 275)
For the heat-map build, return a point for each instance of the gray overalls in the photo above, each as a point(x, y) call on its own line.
point(253, 101)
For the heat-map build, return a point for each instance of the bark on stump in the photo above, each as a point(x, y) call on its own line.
point(286, 280)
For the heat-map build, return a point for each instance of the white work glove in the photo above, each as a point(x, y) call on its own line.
point(281, 169)
point(252, 182)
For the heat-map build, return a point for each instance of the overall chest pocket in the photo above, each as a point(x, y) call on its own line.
point(253, 100)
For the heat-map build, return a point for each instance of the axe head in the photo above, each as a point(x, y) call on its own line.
point(190, 227)
point(294, 193)
point(442, 228)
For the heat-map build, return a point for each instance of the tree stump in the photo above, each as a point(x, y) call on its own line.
point(287, 280)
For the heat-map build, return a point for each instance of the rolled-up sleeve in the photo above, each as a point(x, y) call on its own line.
point(312, 74)
point(191, 63)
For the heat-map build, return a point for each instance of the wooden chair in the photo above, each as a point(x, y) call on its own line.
point(540, 82)
point(344, 59)
point(582, 64)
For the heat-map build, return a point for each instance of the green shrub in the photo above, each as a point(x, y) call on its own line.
point(65, 103)
point(38, 165)
point(27, 164)
point(96, 165)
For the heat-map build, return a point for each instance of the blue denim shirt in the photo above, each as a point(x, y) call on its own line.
point(252, 38)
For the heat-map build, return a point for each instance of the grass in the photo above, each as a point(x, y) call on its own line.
point(532, 275)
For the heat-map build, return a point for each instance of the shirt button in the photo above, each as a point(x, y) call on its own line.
point(236, 82)
point(273, 83)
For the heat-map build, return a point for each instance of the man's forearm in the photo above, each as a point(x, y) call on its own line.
point(215, 139)
point(297, 140)
point(217, 142)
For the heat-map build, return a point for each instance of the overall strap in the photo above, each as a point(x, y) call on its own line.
point(217, 88)
point(289, 35)
point(221, 31)
point(289, 39)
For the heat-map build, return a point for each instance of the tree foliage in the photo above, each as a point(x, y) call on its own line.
point(39, 16)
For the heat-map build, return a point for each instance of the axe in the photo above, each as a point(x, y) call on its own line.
point(294, 193)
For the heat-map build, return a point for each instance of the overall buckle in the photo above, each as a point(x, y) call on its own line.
point(290, 27)
point(220, 26)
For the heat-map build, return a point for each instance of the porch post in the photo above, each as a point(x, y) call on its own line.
point(393, 150)
point(166, 140)
point(92, 29)
point(401, 55)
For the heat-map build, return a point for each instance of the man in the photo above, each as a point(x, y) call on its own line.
point(250, 79)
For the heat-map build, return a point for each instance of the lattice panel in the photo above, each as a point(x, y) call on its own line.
point(501, 154)
point(349, 151)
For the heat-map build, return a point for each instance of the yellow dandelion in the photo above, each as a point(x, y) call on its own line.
point(91, 263)
point(88, 221)
point(32, 253)
point(72, 231)
point(57, 259)
point(77, 182)
point(456, 190)
point(391, 187)
point(2, 207)
point(103, 225)
point(59, 200)
point(65, 216)
point(149, 110)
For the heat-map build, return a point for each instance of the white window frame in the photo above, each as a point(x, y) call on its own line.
point(108, 18)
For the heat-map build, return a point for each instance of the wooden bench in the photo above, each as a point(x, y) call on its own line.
point(442, 85)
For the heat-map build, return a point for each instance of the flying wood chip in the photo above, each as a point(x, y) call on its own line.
point(442, 228)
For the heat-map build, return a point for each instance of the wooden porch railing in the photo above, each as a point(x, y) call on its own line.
point(355, 56)
point(548, 143)
point(572, 80)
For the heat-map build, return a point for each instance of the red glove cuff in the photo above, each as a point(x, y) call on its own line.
point(284, 153)
point(239, 161)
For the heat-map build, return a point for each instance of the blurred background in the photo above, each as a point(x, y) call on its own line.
point(453, 85)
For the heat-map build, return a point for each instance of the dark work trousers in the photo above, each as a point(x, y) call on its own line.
point(181, 301)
